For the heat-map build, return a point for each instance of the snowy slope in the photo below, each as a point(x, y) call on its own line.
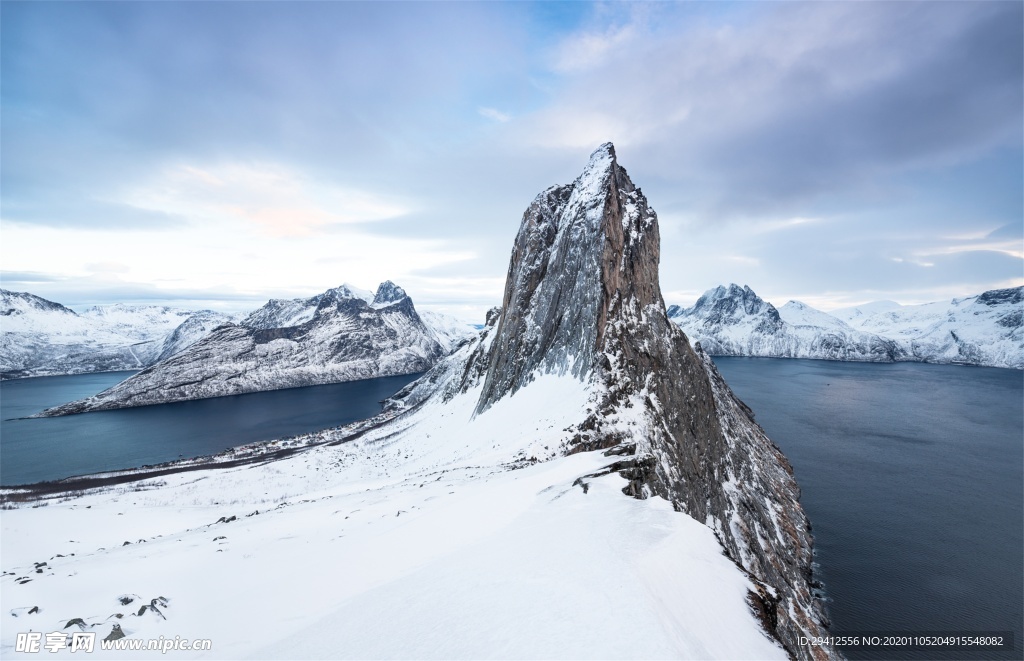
point(447, 330)
point(190, 331)
point(417, 545)
point(282, 313)
point(851, 315)
point(42, 338)
point(342, 335)
point(484, 513)
point(734, 321)
point(987, 329)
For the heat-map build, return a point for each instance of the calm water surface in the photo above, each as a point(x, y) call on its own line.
point(53, 448)
point(913, 478)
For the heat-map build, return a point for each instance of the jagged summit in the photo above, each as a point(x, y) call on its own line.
point(585, 253)
point(583, 300)
point(388, 293)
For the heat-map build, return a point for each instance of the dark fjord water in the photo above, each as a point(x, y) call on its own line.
point(911, 474)
point(913, 478)
point(52, 448)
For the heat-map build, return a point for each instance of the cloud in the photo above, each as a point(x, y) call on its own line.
point(797, 101)
point(289, 148)
point(496, 115)
point(588, 50)
point(274, 199)
point(62, 208)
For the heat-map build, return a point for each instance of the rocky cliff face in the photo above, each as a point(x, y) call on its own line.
point(340, 335)
point(583, 298)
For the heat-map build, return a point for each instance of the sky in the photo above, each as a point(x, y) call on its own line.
point(220, 154)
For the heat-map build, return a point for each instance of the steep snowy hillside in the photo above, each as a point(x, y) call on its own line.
point(491, 493)
point(447, 330)
point(190, 331)
point(987, 329)
point(42, 338)
point(734, 321)
point(340, 335)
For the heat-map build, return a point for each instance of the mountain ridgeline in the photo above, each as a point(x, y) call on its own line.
point(987, 329)
point(343, 334)
point(583, 300)
point(43, 338)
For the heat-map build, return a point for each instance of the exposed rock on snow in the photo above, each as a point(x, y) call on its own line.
point(335, 336)
point(42, 338)
point(978, 330)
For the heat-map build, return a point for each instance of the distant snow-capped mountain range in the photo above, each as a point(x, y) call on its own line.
point(43, 338)
point(987, 329)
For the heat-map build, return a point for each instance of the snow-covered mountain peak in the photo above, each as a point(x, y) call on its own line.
point(798, 313)
point(731, 306)
point(987, 329)
point(17, 303)
point(733, 296)
point(388, 293)
point(332, 337)
point(349, 291)
point(583, 309)
point(586, 256)
point(41, 338)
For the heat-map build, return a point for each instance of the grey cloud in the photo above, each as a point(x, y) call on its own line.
point(811, 99)
point(14, 279)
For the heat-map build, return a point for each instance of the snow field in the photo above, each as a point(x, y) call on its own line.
point(423, 542)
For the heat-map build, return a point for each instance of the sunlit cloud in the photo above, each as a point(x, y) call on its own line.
point(272, 198)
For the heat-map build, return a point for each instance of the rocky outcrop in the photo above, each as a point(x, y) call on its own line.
point(583, 300)
point(333, 337)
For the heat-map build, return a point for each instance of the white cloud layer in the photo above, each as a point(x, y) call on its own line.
point(828, 151)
